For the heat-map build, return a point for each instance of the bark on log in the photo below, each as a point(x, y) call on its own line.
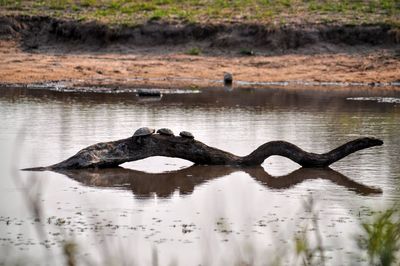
point(144, 185)
point(114, 153)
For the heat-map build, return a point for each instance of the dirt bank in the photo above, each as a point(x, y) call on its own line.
point(40, 49)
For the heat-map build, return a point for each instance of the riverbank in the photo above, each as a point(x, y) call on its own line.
point(165, 54)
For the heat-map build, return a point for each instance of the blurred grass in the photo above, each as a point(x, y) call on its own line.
point(205, 11)
point(381, 238)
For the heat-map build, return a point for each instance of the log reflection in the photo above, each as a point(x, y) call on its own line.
point(145, 185)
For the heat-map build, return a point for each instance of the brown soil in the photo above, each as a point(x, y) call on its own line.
point(41, 50)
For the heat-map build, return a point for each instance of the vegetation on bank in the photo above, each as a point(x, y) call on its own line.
point(131, 12)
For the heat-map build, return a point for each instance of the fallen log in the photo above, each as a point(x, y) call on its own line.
point(114, 153)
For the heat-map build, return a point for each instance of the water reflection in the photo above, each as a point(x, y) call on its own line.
point(144, 185)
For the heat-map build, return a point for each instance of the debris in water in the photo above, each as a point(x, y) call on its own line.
point(377, 99)
point(148, 93)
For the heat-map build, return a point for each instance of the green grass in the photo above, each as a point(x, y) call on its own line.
point(193, 51)
point(263, 11)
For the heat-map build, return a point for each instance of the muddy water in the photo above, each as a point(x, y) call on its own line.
point(166, 211)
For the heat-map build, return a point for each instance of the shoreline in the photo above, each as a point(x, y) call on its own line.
point(157, 89)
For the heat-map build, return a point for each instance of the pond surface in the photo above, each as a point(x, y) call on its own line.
point(164, 211)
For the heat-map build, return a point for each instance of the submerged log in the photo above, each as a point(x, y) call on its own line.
point(114, 153)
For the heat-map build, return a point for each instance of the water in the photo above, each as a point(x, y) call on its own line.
point(166, 211)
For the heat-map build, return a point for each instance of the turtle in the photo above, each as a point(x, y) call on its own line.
point(143, 132)
point(228, 78)
point(165, 132)
point(186, 134)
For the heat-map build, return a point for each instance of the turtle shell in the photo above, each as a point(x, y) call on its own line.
point(143, 131)
point(186, 134)
point(165, 131)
